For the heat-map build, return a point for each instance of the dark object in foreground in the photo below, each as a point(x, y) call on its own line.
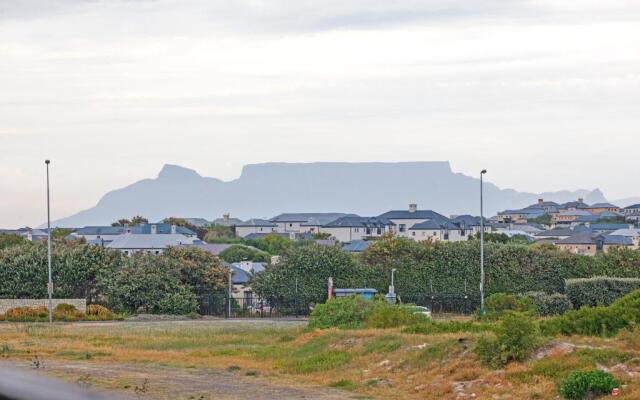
point(20, 385)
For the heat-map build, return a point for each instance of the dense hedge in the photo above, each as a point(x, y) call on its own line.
point(549, 304)
point(599, 291)
point(166, 283)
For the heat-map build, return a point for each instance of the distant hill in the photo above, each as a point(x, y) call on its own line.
point(629, 201)
point(264, 190)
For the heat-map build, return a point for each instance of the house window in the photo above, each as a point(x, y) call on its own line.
point(290, 225)
point(435, 233)
point(446, 236)
point(157, 251)
point(403, 227)
point(368, 231)
point(378, 231)
point(413, 233)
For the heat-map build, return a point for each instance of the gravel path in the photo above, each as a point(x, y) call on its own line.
point(133, 381)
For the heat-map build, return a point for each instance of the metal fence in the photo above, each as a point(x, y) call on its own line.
point(249, 307)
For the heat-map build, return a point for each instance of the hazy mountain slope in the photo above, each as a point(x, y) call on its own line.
point(264, 190)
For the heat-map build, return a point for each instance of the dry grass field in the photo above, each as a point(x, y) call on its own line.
point(279, 359)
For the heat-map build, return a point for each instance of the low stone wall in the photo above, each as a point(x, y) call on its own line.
point(5, 304)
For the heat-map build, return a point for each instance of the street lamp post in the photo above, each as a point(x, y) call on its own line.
point(230, 293)
point(482, 311)
point(391, 296)
point(50, 282)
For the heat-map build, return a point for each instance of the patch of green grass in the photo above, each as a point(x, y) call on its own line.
point(343, 384)
point(607, 357)
point(430, 328)
point(322, 361)
point(437, 352)
point(383, 344)
point(315, 345)
point(556, 369)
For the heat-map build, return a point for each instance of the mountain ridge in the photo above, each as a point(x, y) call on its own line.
point(267, 189)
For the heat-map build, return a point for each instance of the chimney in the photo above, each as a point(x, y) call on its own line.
point(413, 207)
point(127, 229)
point(580, 200)
point(154, 229)
point(225, 217)
point(173, 229)
point(540, 202)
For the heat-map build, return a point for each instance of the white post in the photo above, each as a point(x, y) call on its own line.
point(484, 171)
point(50, 281)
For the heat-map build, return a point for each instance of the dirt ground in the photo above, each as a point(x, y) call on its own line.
point(145, 382)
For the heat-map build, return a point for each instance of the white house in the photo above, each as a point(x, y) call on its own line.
point(632, 234)
point(255, 225)
point(405, 219)
point(346, 229)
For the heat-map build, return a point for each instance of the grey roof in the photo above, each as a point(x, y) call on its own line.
point(556, 233)
point(602, 205)
point(608, 227)
point(586, 218)
point(580, 238)
point(628, 232)
point(610, 214)
point(146, 241)
point(161, 229)
point(253, 236)
point(633, 207)
point(359, 222)
point(418, 214)
point(356, 246)
point(575, 213)
point(257, 222)
point(101, 230)
point(617, 240)
point(217, 248)
point(573, 204)
point(466, 220)
point(240, 276)
point(428, 225)
point(321, 218)
point(532, 211)
point(38, 232)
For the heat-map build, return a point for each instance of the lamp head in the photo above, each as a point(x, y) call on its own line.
point(484, 171)
point(47, 162)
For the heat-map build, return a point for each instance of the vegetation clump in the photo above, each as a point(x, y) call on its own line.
point(516, 337)
point(600, 290)
point(583, 384)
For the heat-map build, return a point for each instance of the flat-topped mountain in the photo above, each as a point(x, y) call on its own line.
point(265, 190)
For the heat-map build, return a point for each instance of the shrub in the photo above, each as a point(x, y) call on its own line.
point(97, 309)
point(580, 384)
point(498, 304)
point(549, 304)
point(599, 291)
point(27, 314)
point(596, 321)
point(66, 312)
point(179, 303)
point(344, 312)
point(384, 315)
point(516, 337)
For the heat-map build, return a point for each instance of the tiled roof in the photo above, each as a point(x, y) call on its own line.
point(418, 214)
point(101, 230)
point(323, 218)
point(257, 222)
point(145, 241)
point(359, 222)
point(356, 246)
point(579, 238)
point(617, 240)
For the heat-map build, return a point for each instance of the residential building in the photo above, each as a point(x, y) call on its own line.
point(573, 205)
point(554, 235)
point(405, 219)
point(437, 231)
point(616, 241)
point(599, 208)
point(36, 235)
point(526, 229)
point(633, 234)
point(304, 222)
point(521, 216)
point(632, 213)
point(347, 229)
point(549, 207)
point(131, 243)
point(240, 277)
point(584, 243)
point(570, 216)
point(255, 226)
point(103, 235)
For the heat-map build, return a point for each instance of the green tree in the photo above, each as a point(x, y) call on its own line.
point(272, 244)
point(139, 220)
point(150, 284)
point(219, 233)
point(200, 232)
point(198, 269)
point(239, 253)
point(121, 222)
point(310, 267)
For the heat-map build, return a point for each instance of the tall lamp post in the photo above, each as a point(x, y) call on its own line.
point(50, 282)
point(482, 311)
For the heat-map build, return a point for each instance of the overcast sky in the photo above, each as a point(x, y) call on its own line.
point(545, 94)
